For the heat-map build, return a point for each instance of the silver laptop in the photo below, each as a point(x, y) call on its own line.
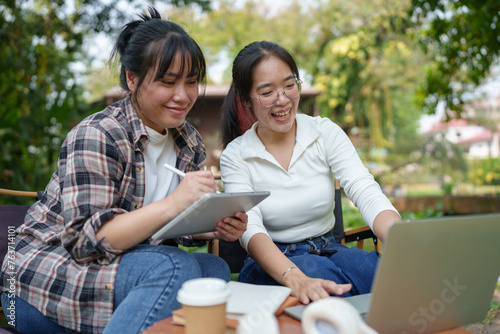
point(433, 274)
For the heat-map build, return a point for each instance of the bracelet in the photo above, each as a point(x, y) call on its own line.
point(283, 275)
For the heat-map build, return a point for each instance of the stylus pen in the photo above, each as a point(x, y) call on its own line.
point(174, 170)
point(178, 172)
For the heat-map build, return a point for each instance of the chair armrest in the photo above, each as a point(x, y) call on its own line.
point(18, 193)
point(359, 235)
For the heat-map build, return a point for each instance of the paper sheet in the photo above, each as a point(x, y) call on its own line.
point(245, 298)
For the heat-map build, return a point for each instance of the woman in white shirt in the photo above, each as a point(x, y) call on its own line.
point(297, 158)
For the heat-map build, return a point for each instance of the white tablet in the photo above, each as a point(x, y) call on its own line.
point(203, 215)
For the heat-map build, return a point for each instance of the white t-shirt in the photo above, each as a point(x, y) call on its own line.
point(302, 199)
point(160, 182)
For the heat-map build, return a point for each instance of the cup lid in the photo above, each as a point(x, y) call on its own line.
point(203, 292)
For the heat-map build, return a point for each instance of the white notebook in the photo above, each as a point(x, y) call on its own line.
point(245, 298)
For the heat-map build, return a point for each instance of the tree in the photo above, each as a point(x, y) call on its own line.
point(40, 87)
point(366, 69)
point(358, 54)
point(224, 31)
point(36, 88)
point(463, 37)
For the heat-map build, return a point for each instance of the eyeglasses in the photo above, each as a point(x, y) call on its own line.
point(269, 98)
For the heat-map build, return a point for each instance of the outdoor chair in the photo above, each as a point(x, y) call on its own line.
point(11, 217)
point(234, 254)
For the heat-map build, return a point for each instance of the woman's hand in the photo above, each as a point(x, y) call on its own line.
point(229, 229)
point(192, 187)
point(232, 228)
point(126, 230)
point(275, 263)
point(307, 289)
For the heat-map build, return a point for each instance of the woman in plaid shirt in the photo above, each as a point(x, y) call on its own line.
point(84, 261)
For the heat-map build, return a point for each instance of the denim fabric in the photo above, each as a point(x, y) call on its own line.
point(146, 288)
point(347, 265)
point(147, 282)
point(31, 321)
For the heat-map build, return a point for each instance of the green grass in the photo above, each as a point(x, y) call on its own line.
point(3, 320)
point(493, 311)
point(202, 249)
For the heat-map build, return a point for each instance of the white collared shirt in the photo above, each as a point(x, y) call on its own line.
point(302, 199)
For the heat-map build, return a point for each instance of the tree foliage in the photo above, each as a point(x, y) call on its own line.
point(368, 67)
point(363, 56)
point(485, 172)
point(357, 53)
point(37, 87)
point(463, 37)
point(41, 42)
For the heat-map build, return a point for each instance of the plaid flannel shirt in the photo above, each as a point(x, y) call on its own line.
point(62, 269)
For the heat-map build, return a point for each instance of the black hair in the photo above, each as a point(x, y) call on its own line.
point(242, 81)
point(152, 42)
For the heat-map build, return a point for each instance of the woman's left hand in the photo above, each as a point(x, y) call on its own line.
point(232, 228)
point(229, 228)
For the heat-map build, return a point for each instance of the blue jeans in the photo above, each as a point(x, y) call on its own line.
point(146, 286)
point(30, 320)
point(348, 265)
